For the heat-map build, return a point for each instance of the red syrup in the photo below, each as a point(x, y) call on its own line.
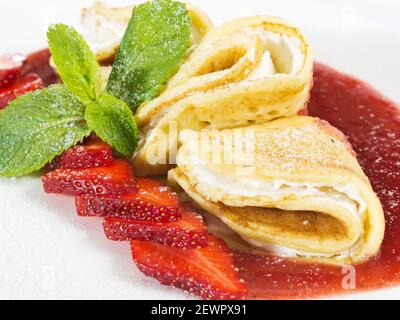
point(38, 62)
point(372, 124)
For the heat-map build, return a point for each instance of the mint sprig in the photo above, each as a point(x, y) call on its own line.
point(110, 118)
point(151, 50)
point(37, 127)
point(75, 61)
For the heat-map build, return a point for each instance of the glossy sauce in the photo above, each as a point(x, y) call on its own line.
point(372, 124)
point(38, 62)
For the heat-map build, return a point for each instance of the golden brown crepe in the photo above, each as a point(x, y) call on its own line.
point(292, 186)
point(247, 71)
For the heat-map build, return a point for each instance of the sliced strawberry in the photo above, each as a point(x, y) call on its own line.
point(93, 154)
point(153, 202)
point(23, 85)
point(116, 179)
point(188, 233)
point(209, 273)
point(10, 68)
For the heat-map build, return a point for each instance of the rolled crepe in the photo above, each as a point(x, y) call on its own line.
point(247, 71)
point(293, 188)
point(105, 27)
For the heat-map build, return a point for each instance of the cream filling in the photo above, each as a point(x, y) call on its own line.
point(266, 68)
point(283, 54)
point(345, 196)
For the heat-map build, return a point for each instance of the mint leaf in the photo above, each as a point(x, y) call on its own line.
point(75, 61)
point(151, 50)
point(108, 116)
point(113, 121)
point(38, 126)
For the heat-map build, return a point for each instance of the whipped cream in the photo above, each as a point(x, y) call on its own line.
point(283, 54)
point(266, 68)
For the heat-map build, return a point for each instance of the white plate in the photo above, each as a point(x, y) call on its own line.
point(47, 252)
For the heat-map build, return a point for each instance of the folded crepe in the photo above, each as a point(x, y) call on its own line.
point(247, 71)
point(292, 187)
point(106, 25)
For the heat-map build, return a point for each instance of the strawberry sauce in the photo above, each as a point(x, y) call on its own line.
point(372, 124)
point(38, 62)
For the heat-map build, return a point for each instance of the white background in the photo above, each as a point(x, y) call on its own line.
point(47, 252)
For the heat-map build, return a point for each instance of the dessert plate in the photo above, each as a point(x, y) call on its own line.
point(47, 252)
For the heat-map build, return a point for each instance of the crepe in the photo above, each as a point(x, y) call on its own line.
point(247, 71)
point(105, 27)
point(293, 187)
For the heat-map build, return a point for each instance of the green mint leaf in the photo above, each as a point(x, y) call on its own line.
point(75, 61)
point(38, 126)
point(113, 121)
point(151, 50)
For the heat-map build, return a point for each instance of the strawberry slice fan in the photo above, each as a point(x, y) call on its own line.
point(169, 239)
point(12, 84)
